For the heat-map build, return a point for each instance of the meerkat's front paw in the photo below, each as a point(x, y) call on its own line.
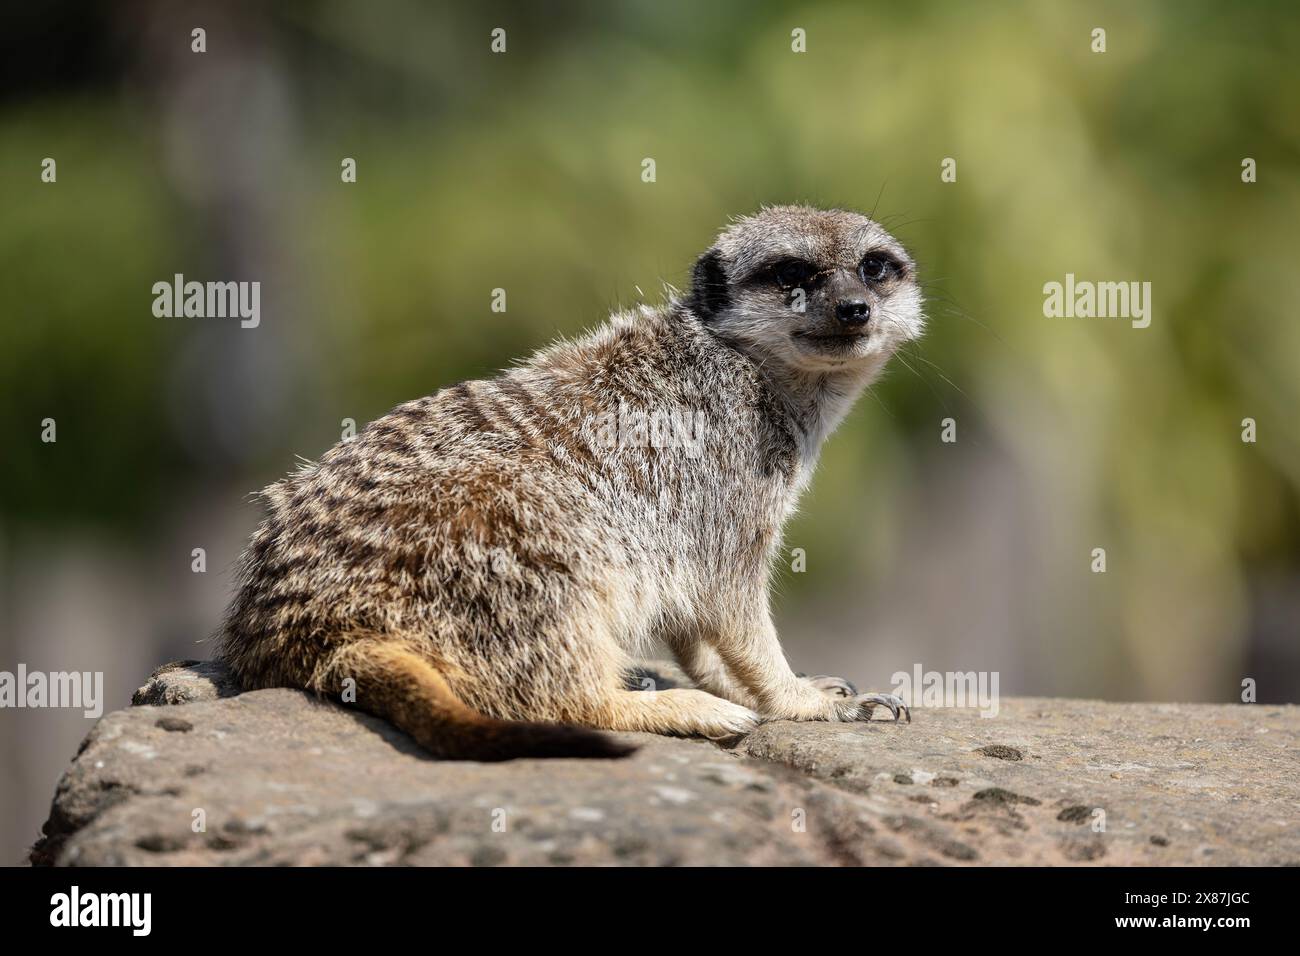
point(721, 719)
point(832, 686)
point(861, 706)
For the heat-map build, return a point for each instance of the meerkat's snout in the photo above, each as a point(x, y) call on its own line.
point(853, 312)
point(847, 302)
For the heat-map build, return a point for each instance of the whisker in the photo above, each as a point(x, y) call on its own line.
point(872, 392)
point(928, 384)
point(872, 214)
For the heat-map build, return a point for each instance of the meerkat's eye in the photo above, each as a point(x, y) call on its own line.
point(793, 272)
point(877, 267)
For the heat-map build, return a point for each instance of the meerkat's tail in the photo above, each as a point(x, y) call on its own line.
point(404, 688)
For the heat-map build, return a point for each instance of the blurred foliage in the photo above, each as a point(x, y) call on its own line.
point(522, 171)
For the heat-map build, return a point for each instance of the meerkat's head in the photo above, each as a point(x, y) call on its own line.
point(819, 291)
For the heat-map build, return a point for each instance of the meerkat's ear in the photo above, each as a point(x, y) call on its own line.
point(709, 293)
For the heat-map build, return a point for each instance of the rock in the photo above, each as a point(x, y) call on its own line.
point(279, 777)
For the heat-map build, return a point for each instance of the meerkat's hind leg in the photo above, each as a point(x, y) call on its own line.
point(393, 680)
point(679, 712)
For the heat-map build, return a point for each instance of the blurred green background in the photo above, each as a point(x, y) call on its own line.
point(522, 171)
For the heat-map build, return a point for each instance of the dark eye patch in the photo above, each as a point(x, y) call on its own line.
point(790, 273)
point(878, 266)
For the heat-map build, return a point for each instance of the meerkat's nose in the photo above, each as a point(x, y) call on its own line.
point(853, 311)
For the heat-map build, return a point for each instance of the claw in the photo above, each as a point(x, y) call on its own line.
point(893, 702)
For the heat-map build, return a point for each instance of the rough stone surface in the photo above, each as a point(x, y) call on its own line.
point(281, 778)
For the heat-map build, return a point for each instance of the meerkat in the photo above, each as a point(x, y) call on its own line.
point(481, 567)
